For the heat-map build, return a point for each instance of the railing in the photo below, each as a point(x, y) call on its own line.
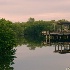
point(56, 32)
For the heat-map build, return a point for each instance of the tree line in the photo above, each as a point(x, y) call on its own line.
point(31, 30)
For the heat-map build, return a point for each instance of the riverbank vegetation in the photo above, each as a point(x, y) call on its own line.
point(30, 31)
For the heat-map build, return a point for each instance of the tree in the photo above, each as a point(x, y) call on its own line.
point(7, 35)
point(31, 20)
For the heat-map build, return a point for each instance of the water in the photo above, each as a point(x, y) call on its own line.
point(40, 59)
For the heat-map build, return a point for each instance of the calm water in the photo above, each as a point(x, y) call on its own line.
point(40, 59)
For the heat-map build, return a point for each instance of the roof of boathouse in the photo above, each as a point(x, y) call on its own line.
point(64, 23)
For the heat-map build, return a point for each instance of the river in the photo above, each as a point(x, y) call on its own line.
point(40, 59)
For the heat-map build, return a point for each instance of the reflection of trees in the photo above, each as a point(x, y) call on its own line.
point(6, 58)
point(33, 45)
point(21, 40)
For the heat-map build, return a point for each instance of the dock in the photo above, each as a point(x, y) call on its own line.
point(60, 38)
point(60, 34)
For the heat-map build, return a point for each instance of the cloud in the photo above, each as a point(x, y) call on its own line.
point(38, 9)
point(44, 16)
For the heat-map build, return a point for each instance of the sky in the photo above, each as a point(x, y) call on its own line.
point(22, 10)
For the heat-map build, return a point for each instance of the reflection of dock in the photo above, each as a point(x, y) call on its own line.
point(62, 48)
point(61, 37)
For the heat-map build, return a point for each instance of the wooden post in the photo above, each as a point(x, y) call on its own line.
point(61, 48)
point(46, 38)
point(58, 47)
point(55, 47)
point(67, 36)
point(57, 37)
point(49, 37)
point(60, 37)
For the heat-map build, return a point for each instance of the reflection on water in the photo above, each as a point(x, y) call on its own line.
point(62, 47)
point(30, 58)
point(40, 59)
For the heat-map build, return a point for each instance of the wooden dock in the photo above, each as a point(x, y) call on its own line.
point(56, 36)
point(60, 38)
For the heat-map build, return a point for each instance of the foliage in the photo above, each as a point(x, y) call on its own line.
point(33, 32)
point(31, 20)
point(30, 31)
point(7, 42)
point(7, 35)
point(18, 29)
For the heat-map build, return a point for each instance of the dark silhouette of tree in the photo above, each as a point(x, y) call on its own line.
point(31, 20)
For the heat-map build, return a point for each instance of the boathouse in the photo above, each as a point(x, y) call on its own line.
point(61, 34)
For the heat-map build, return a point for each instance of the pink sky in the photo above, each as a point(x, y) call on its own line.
point(21, 10)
